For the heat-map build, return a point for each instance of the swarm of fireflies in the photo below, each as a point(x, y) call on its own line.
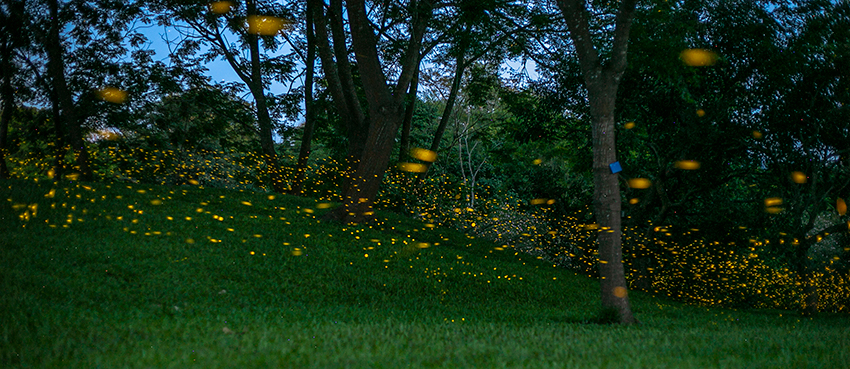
point(698, 57)
point(112, 94)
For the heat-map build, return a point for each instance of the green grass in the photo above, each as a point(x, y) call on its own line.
point(99, 276)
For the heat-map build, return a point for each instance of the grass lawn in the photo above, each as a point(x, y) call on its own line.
point(99, 275)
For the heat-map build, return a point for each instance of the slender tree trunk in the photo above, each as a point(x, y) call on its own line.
point(309, 115)
point(59, 148)
point(63, 95)
point(264, 120)
point(810, 292)
point(805, 276)
point(404, 148)
point(460, 67)
point(8, 95)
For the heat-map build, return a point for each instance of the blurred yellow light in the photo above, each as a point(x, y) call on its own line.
point(639, 183)
point(412, 167)
point(193, 182)
point(537, 161)
point(700, 113)
point(687, 164)
point(296, 252)
point(629, 125)
point(221, 7)
point(156, 202)
point(772, 201)
point(757, 135)
point(634, 201)
point(773, 209)
point(112, 95)
point(423, 154)
point(265, 25)
point(538, 201)
point(841, 206)
point(323, 205)
point(698, 57)
point(798, 177)
point(620, 292)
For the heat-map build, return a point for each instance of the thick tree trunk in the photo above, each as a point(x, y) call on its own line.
point(602, 78)
point(370, 139)
point(309, 115)
point(606, 200)
point(63, 95)
point(365, 179)
point(264, 121)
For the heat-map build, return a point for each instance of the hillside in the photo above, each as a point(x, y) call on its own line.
point(126, 275)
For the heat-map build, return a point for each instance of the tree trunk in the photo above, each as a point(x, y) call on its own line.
point(460, 66)
point(365, 179)
point(370, 139)
point(309, 115)
point(8, 95)
point(602, 79)
point(264, 121)
point(809, 301)
point(607, 201)
point(404, 149)
point(63, 95)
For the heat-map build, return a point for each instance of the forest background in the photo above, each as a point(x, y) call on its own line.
point(731, 119)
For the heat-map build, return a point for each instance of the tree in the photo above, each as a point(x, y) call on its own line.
point(601, 79)
point(481, 29)
point(805, 138)
point(11, 27)
point(371, 126)
point(309, 109)
point(69, 117)
point(252, 24)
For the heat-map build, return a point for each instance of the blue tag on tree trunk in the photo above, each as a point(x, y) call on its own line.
point(615, 167)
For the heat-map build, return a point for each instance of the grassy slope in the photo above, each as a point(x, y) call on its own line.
point(117, 283)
